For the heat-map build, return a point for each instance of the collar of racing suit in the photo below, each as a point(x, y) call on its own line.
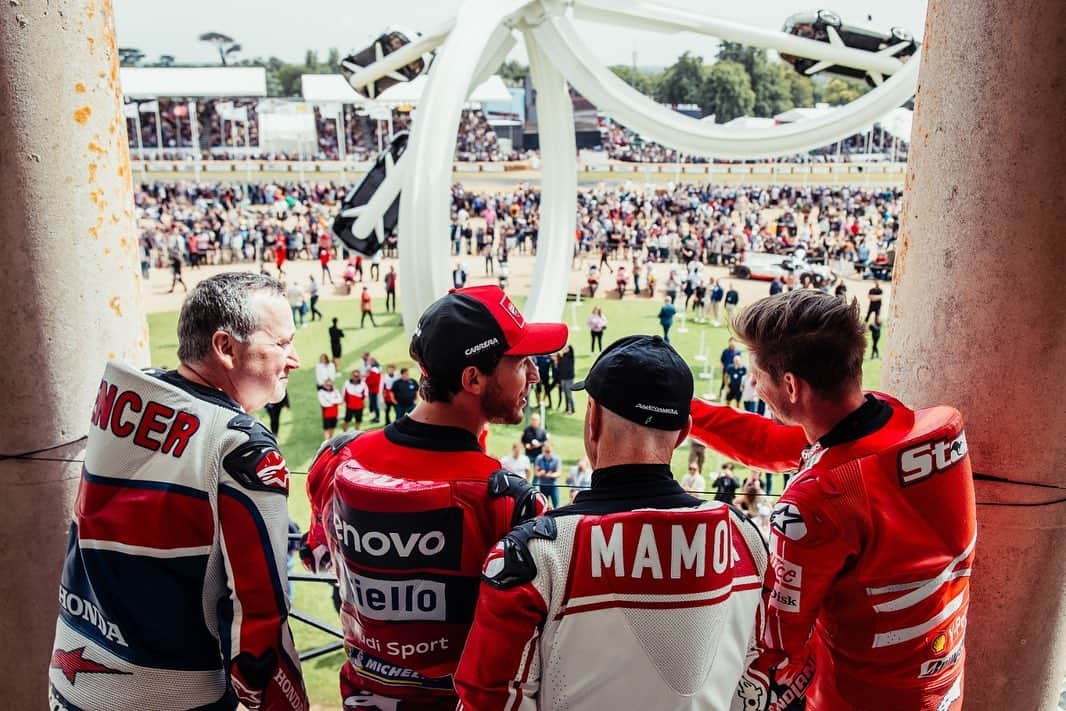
point(630, 486)
point(197, 390)
point(869, 417)
point(436, 438)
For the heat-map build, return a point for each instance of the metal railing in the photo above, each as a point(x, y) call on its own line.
point(318, 624)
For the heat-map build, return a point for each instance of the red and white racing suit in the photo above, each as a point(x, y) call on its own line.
point(637, 596)
point(173, 593)
point(872, 544)
point(408, 514)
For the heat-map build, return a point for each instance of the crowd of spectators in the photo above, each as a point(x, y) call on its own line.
point(214, 223)
point(476, 140)
point(617, 226)
point(623, 144)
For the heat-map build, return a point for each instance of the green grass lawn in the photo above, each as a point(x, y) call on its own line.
point(301, 426)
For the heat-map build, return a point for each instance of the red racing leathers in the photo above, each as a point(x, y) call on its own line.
point(872, 545)
point(408, 514)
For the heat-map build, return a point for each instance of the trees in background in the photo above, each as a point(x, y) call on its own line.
point(727, 91)
point(742, 81)
point(226, 45)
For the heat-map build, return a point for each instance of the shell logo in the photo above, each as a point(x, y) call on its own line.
point(939, 643)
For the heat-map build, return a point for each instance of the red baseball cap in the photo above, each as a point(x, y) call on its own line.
point(478, 319)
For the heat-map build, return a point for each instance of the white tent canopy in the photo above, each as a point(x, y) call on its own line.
point(751, 122)
point(318, 88)
point(803, 113)
point(153, 82)
point(331, 88)
point(492, 89)
point(897, 122)
point(287, 126)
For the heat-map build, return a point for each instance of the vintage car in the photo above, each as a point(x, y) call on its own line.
point(821, 24)
point(766, 266)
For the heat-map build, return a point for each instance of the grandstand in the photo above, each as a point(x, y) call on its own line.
point(222, 113)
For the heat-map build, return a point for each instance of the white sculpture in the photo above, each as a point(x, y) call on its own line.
point(471, 49)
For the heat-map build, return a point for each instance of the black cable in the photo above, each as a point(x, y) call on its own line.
point(30, 454)
point(27, 456)
point(1028, 505)
point(1003, 480)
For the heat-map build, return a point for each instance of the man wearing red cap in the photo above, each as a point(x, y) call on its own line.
point(409, 512)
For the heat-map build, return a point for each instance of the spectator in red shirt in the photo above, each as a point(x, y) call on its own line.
point(373, 386)
point(330, 400)
point(279, 255)
point(367, 308)
point(323, 259)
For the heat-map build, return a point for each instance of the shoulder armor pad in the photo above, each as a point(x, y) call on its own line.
point(505, 483)
point(510, 563)
point(256, 464)
point(250, 425)
point(335, 444)
point(338, 442)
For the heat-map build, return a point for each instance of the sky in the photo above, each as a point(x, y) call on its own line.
point(288, 29)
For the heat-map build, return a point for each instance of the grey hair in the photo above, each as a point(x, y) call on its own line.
point(221, 303)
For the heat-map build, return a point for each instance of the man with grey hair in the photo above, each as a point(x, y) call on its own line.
point(173, 594)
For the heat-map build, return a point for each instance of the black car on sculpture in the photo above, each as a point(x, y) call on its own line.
point(826, 26)
point(380, 48)
point(357, 198)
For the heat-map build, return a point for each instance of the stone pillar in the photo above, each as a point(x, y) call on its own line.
point(978, 316)
point(69, 255)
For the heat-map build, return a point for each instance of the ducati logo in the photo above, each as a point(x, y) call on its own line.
point(513, 312)
point(788, 521)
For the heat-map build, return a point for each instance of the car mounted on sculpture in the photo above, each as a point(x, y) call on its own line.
point(826, 26)
point(357, 198)
point(390, 41)
point(766, 266)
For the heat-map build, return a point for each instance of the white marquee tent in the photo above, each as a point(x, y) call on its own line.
point(153, 82)
point(318, 88)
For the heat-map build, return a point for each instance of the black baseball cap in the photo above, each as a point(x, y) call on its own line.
point(643, 379)
point(468, 322)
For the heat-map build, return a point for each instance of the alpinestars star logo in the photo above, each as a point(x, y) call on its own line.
point(73, 662)
point(788, 521)
point(272, 471)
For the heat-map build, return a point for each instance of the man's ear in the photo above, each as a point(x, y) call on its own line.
point(224, 348)
point(595, 419)
point(794, 387)
point(473, 380)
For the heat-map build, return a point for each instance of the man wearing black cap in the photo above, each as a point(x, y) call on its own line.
point(672, 583)
point(410, 511)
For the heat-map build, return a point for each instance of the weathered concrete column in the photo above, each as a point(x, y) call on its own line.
point(68, 251)
point(978, 317)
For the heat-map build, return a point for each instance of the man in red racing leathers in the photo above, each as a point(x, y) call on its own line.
point(407, 514)
point(872, 542)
